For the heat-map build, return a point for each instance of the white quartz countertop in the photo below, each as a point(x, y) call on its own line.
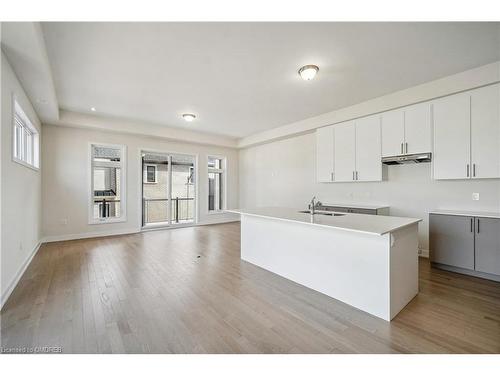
point(371, 224)
point(356, 205)
point(491, 214)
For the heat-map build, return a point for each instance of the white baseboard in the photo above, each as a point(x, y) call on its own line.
point(79, 236)
point(19, 274)
point(423, 253)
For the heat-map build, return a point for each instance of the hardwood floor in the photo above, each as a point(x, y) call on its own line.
point(187, 291)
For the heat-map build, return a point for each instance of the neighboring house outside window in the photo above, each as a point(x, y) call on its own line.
point(216, 183)
point(151, 173)
point(107, 196)
point(26, 140)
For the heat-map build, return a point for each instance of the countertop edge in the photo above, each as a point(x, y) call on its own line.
point(327, 226)
point(492, 215)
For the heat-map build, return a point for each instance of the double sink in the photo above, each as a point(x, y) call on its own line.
point(321, 213)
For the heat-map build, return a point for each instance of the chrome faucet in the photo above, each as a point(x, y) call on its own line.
point(313, 205)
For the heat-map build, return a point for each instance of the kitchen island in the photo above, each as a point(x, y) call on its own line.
point(367, 261)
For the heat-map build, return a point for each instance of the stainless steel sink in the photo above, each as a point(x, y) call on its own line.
point(321, 213)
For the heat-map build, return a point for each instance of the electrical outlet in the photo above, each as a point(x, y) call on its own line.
point(475, 196)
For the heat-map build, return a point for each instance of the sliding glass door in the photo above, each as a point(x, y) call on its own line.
point(168, 189)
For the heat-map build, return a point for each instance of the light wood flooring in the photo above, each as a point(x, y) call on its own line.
point(187, 291)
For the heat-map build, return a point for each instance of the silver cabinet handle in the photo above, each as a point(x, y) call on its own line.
point(406, 147)
point(478, 226)
point(331, 176)
point(472, 225)
point(474, 170)
point(467, 170)
point(356, 175)
point(353, 175)
point(402, 147)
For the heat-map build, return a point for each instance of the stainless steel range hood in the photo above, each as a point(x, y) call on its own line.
point(407, 159)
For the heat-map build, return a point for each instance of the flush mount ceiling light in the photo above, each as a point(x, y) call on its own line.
point(308, 72)
point(189, 117)
point(93, 109)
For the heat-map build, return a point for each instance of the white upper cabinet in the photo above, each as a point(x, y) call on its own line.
point(417, 120)
point(393, 134)
point(345, 151)
point(452, 137)
point(485, 132)
point(467, 135)
point(368, 149)
point(324, 154)
point(407, 130)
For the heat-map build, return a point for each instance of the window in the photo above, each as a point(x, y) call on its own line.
point(150, 174)
point(107, 198)
point(25, 148)
point(216, 183)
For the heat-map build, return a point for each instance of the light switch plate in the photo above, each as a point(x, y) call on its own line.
point(475, 196)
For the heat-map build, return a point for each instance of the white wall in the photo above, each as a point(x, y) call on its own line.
point(65, 179)
point(21, 190)
point(283, 173)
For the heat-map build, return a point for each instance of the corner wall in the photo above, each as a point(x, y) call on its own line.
point(65, 153)
point(20, 193)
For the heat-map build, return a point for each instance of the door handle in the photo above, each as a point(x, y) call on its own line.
point(478, 226)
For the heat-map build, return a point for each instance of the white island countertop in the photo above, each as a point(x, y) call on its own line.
point(371, 224)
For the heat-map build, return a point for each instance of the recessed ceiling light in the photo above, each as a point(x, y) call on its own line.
point(308, 72)
point(93, 109)
point(188, 117)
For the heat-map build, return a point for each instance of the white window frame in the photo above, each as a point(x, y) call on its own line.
point(223, 171)
point(146, 173)
point(123, 185)
point(30, 156)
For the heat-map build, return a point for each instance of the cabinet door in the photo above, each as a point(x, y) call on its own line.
point(485, 132)
point(452, 137)
point(368, 149)
point(418, 128)
point(451, 240)
point(344, 151)
point(324, 154)
point(488, 245)
point(392, 133)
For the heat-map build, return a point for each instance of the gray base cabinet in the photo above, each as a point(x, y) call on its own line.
point(467, 244)
point(487, 245)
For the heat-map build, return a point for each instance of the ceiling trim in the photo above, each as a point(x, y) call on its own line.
point(24, 47)
point(123, 126)
point(469, 79)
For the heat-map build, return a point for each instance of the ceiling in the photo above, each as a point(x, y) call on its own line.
point(241, 78)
